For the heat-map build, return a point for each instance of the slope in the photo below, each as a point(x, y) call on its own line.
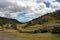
point(45, 20)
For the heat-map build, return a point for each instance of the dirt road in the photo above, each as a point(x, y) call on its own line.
point(7, 37)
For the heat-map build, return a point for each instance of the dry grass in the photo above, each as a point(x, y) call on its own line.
point(34, 27)
point(10, 30)
point(39, 36)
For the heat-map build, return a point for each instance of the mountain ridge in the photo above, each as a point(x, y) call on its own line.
point(46, 16)
point(40, 24)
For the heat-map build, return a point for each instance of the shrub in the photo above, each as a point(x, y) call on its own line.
point(55, 29)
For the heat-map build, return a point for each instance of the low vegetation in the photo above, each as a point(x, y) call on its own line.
point(46, 27)
point(38, 36)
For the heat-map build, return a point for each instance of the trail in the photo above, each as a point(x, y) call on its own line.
point(7, 37)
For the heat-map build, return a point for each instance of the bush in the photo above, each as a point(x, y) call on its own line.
point(55, 29)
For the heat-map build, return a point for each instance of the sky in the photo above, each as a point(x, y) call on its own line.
point(26, 10)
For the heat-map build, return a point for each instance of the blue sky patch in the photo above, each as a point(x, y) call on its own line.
point(22, 14)
point(47, 4)
point(58, 0)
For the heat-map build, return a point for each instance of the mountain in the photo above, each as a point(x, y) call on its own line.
point(40, 24)
point(47, 18)
point(8, 20)
point(44, 21)
point(7, 23)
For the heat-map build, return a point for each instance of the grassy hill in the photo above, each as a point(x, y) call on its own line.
point(11, 24)
point(44, 22)
point(49, 17)
point(40, 24)
point(46, 27)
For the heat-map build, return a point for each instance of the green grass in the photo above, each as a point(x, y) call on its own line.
point(33, 27)
point(51, 22)
point(38, 36)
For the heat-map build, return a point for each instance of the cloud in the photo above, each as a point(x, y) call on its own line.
point(7, 8)
point(27, 9)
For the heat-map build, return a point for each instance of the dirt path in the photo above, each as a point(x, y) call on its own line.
point(7, 37)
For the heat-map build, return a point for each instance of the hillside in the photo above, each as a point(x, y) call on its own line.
point(46, 21)
point(7, 23)
point(8, 20)
point(46, 18)
point(49, 18)
point(40, 24)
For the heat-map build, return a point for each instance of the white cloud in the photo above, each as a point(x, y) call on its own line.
point(55, 5)
point(32, 8)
